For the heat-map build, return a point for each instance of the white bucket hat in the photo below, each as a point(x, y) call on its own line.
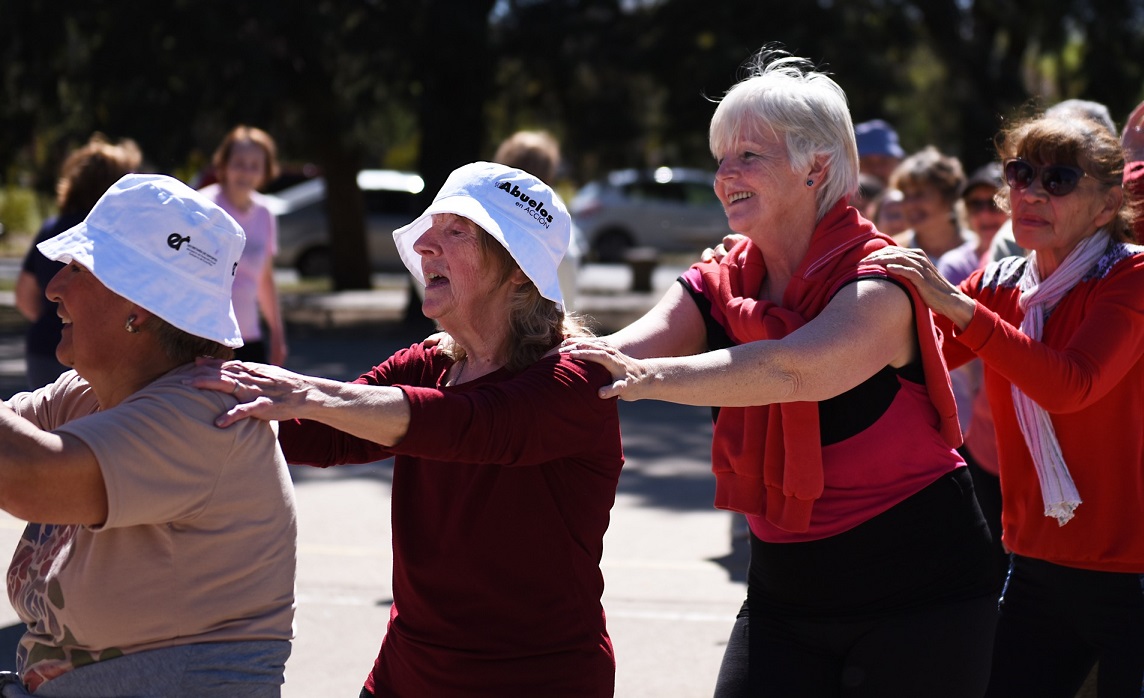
point(520, 211)
point(163, 246)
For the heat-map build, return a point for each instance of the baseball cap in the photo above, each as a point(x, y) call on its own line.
point(877, 138)
point(989, 175)
point(163, 246)
point(520, 211)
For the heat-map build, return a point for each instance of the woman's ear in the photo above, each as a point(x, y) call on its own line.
point(1113, 199)
point(818, 168)
point(518, 277)
point(142, 316)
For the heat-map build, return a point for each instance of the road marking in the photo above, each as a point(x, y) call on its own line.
point(612, 611)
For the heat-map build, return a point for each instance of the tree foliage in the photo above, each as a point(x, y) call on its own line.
point(430, 84)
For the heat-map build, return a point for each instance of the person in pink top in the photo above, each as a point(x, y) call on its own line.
point(1061, 336)
point(506, 462)
point(244, 162)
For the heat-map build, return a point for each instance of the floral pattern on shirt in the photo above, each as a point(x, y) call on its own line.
point(49, 648)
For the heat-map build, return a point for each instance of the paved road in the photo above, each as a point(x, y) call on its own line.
point(674, 581)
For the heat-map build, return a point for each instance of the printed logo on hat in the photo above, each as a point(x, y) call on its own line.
point(175, 242)
point(534, 208)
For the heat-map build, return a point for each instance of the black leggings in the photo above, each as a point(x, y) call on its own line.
point(1056, 622)
point(901, 605)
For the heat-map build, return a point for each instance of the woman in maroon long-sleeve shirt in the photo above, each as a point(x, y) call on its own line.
point(506, 460)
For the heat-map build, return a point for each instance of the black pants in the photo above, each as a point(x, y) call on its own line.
point(1056, 622)
point(987, 487)
point(902, 605)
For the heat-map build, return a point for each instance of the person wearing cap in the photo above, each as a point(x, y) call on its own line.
point(506, 461)
point(159, 557)
point(879, 151)
point(836, 428)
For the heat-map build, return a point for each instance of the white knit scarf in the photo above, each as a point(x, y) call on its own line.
point(1038, 298)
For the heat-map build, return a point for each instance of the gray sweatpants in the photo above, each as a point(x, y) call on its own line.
point(223, 669)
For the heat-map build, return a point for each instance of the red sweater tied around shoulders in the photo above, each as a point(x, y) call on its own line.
point(781, 477)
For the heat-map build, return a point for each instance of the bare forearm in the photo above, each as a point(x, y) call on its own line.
point(741, 376)
point(376, 413)
point(674, 327)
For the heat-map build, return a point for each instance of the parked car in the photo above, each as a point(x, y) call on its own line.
point(668, 209)
point(303, 231)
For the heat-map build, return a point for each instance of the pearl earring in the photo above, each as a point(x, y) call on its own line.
point(129, 327)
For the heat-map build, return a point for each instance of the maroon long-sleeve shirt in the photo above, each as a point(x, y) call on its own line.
point(501, 495)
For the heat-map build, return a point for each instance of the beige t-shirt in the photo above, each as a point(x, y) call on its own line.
point(200, 539)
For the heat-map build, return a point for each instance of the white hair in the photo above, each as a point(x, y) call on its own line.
point(785, 96)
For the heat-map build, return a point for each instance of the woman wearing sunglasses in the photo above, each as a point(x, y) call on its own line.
point(1061, 335)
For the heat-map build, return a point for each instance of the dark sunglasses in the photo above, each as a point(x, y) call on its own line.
point(1057, 180)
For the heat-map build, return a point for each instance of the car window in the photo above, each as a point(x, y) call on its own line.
point(701, 195)
point(653, 191)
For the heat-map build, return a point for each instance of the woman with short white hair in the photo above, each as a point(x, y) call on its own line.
point(836, 429)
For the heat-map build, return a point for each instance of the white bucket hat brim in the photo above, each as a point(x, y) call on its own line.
point(161, 245)
point(517, 209)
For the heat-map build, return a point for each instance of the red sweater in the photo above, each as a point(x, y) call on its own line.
point(1088, 373)
point(501, 495)
point(768, 459)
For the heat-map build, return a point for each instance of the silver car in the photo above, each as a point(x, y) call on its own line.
point(303, 231)
point(668, 209)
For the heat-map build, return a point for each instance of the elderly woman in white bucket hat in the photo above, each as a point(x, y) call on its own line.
point(506, 461)
point(162, 554)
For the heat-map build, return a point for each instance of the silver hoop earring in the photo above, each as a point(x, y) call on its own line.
point(810, 182)
point(129, 327)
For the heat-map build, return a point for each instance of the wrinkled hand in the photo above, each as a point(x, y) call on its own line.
point(628, 375)
point(263, 392)
point(914, 266)
point(717, 253)
point(441, 339)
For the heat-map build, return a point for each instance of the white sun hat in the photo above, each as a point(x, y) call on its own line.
point(163, 246)
point(523, 213)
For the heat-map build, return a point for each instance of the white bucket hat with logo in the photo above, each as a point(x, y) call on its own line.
point(163, 246)
point(520, 211)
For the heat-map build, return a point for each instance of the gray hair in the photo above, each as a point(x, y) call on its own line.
point(184, 347)
point(1083, 109)
point(785, 96)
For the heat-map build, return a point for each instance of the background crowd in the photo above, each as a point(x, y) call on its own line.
point(909, 409)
